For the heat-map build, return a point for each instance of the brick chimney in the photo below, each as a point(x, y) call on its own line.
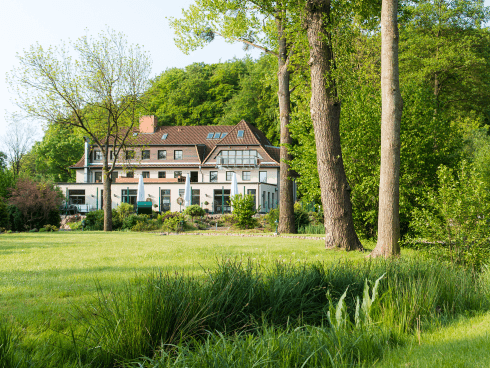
point(148, 124)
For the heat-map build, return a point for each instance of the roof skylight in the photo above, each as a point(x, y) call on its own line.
point(240, 134)
point(210, 136)
point(223, 135)
point(216, 135)
point(165, 136)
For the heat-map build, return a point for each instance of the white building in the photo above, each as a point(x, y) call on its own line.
point(163, 155)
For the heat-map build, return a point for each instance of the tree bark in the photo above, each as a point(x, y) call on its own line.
point(107, 193)
point(286, 205)
point(391, 113)
point(325, 114)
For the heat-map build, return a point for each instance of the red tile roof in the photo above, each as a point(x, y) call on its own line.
point(197, 136)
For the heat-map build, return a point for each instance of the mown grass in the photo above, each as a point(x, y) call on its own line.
point(112, 299)
point(464, 343)
point(42, 275)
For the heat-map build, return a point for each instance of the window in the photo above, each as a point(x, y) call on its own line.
point(240, 134)
point(165, 197)
point(223, 135)
point(162, 174)
point(145, 155)
point(177, 155)
point(114, 175)
point(245, 175)
point(162, 155)
point(146, 174)
point(216, 135)
point(221, 201)
point(111, 155)
point(129, 155)
point(229, 175)
point(130, 174)
point(263, 176)
point(196, 197)
point(98, 176)
point(194, 176)
point(76, 196)
point(165, 136)
point(129, 196)
point(177, 174)
point(210, 136)
point(213, 177)
point(238, 157)
point(97, 155)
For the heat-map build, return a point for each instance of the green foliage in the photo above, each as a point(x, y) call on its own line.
point(194, 211)
point(51, 228)
point(455, 218)
point(312, 229)
point(173, 223)
point(244, 210)
point(95, 220)
point(60, 148)
point(162, 311)
point(4, 214)
point(7, 182)
point(123, 211)
point(301, 217)
point(271, 218)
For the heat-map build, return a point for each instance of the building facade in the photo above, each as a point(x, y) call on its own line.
point(164, 155)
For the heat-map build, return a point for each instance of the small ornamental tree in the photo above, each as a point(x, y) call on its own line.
point(37, 202)
point(194, 211)
point(243, 210)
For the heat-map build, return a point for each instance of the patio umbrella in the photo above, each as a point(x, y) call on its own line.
point(234, 186)
point(187, 191)
point(141, 190)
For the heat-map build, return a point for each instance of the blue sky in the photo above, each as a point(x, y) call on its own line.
point(25, 22)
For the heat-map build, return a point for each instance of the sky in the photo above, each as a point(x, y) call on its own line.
point(49, 22)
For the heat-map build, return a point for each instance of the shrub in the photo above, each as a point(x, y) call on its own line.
point(172, 223)
point(194, 211)
point(95, 220)
point(51, 228)
point(301, 217)
point(16, 219)
point(144, 223)
point(38, 202)
point(244, 210)
point(122, 211)
point(4, 214)
point(454, 221)
point(271, 218)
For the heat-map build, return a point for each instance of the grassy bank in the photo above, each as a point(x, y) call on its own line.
point(105, 300)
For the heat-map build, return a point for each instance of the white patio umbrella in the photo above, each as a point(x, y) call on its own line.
point(234, 186)
point(141, 190)
point(187, 191)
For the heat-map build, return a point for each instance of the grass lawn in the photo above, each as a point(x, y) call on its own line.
point(465, 343)
point(43, 274)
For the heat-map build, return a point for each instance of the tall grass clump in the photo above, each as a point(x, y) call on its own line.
point(238, 299)
point(312, 229)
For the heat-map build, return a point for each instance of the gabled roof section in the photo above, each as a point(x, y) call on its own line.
point(251, 136)
point(79, 164)
point(201, 152)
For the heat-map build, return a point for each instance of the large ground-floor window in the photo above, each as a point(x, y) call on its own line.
point(76, 196)
point(222, 201)
point(196, 197)
point(165, 198)
point(129, 196)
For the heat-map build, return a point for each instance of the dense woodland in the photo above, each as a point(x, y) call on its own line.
point(445, 79)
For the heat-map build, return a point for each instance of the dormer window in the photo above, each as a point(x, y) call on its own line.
point(97, 155)
point(210, 136)
point(240, 134)
point(164, 136)
point(216, 135)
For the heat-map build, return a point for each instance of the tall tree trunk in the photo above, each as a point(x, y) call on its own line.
point(286, 205)
point(107, 194)
point(391, 114)
point(325, 114)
